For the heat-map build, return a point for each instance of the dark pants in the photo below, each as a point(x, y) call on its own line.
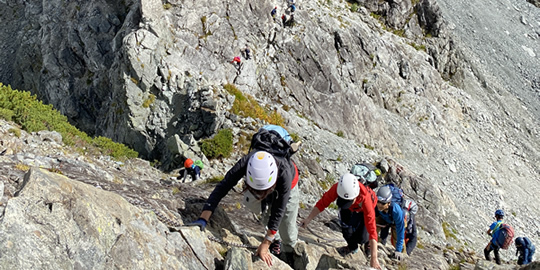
point(411, 234)
point(491, 247)
point(353, 228)
point(411, 237)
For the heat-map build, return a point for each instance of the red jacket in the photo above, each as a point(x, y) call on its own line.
point(365, 202)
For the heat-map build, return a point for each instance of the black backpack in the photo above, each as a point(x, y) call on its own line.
point(271, 142)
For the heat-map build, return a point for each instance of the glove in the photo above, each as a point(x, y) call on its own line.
point(201, 222)
point(398, 256)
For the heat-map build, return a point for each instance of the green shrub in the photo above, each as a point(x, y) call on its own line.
point(354, 7)
point(15, 131)
point(248, 107)
point(6, 114)
point(340, 134)
point(219, 146)
point(33, 116)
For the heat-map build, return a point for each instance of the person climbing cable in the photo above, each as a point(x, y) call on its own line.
point(357, 215)
point(190, 168)
point(237, 61)
point(271, 183)
point(494, 233)
point(273, 13)
point(525, 249)
point(390, 215)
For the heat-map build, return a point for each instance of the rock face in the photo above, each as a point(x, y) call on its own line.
point(57, 223)
point(436, 89)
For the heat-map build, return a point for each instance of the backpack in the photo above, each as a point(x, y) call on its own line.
point(274, 140)
point(367, 173)
point(505, 237)
point(198, 163)
point(397, 197)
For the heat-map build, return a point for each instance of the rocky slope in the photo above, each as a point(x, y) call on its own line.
point(150, 75)
point(61, 209)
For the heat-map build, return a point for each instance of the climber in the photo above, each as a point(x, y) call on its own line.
point(292, 7)
point(237, 61)
point(270, 181)
point(494, 233)
point(525, 249)
point(357, 213)
point(273, 13)
point(390, 214)
point(191, 168)
point(247, 52)
point(284, 19)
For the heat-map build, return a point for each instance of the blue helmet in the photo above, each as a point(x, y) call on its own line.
point(519, 242)
point(499, 213)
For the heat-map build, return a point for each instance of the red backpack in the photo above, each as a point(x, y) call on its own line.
point(505, 237)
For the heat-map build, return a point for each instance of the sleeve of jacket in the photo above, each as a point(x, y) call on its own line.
point(327, 198)
point(397, 216)
point(229, 181)
point(368, 208)
point(283, 188)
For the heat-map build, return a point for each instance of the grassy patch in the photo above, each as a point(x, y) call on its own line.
point(449, 232)
point(15, 131)
point(354, 7)
point(221, 145)
point(22, 167)
point(149, 101)
point(418, 47)
point(247, 106)
point(175, 190)
point(327, 182)
point(340, 133)
point(167, 6)
point(32, 115)
point(215, 179)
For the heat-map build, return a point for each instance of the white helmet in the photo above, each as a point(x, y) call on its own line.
point(261, 171)
point(348, 187)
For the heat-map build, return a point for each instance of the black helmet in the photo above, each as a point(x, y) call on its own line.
point(384, 195)
point(520, 241)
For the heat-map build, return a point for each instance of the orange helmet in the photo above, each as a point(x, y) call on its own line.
point(188, 163)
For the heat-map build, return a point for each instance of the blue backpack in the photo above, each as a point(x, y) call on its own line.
point(397, 197)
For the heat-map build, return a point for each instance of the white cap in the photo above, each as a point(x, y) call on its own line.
point(261, 173)
point(348, 187)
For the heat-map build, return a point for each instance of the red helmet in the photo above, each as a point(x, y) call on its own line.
point(188, 163)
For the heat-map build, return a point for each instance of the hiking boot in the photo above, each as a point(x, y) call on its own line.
point(275, 247)
point(344, 251)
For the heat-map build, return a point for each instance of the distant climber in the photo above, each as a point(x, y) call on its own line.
point(494, 233)
point(357, 215)
point(247, 52)
point(292, 7)
point(237, 62)
point(525, 249)
point(284, 19)
point(391, 215)
point(273, 13)
point(190, 168)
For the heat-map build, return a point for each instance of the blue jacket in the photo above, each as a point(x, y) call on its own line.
point(395, 217)
point(495, 226)
point(526, 251)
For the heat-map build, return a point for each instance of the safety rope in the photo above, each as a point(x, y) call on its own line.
point(175, 224)
point(227, 243)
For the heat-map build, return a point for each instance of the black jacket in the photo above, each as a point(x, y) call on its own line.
point(286, 173)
